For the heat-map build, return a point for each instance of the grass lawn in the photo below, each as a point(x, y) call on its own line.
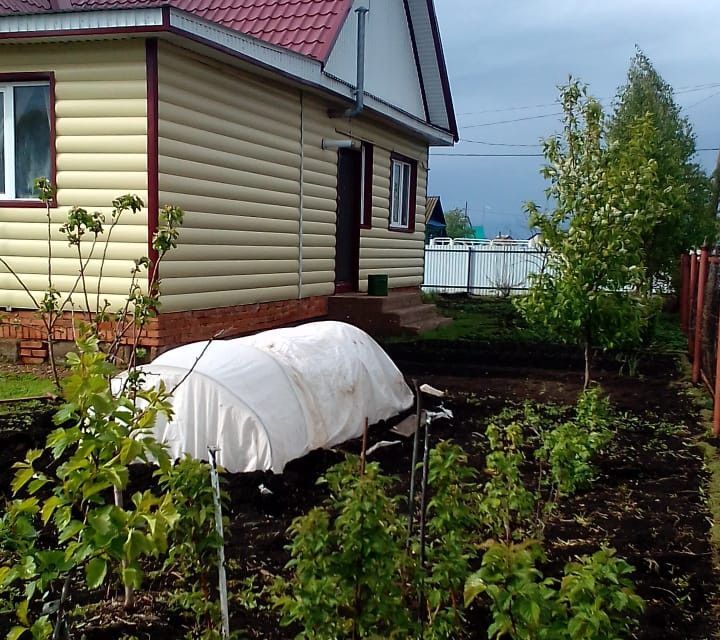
point(23, 385)
point(491, 319)
point(478, 319)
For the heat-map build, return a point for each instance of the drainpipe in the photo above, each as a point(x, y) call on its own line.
point(357, 108)
point(301, 206)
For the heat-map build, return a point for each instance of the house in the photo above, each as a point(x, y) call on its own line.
point(478, 232)
point(244, 113)
point(434, 219)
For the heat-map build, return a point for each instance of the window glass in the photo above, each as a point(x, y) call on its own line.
point(405, 193)
point(395, 215)
point(2, 142)
point(32, 137)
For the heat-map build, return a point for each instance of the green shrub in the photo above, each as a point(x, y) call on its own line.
point(348, 561)
point(595, 599)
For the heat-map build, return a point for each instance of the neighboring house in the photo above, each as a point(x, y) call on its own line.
point(479, 232)
point(238, 111)
point(434, 219)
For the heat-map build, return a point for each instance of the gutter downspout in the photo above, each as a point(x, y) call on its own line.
point(359, 92)
point(302, 194)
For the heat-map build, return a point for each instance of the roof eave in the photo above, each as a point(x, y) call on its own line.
point(443, 71)
point(293, 66)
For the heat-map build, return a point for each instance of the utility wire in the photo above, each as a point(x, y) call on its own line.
point(705, 99)
point(489, 155)
point(680, 91)
point(499, 144)
point(519, 155)
point(489, 124)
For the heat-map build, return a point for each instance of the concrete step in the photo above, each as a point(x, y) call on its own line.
point(428, 325)
point(344, 302)
point(415, 314)
point(399, 312)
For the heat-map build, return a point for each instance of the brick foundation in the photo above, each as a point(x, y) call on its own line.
point(26, 329)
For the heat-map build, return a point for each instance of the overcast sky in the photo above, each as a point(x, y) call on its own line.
point(506, 56)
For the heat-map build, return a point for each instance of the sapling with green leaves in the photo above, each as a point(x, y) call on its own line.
point(568, 448)
point(522, 602)
point(592, 291)
point(507, 506)
point(598, 597)
point(70, 494)
point(595, 599)
point(86, 231)
point(193, 544)
point(99, 435)
point(348, 561)
point(454, 529)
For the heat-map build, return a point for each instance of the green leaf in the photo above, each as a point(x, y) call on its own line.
point(21, 611)
point(49, 508)
point(22, 477)
point(95, 572)
point(15, 633)
point(474, 586)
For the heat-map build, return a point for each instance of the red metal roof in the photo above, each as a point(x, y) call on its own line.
point(308, 27)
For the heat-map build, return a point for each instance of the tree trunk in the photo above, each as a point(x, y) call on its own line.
point(588, 358)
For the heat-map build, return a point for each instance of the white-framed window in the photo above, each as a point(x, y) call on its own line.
point(25, 145)
point(401, 178)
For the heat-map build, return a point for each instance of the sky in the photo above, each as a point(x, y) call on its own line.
point(506, 59)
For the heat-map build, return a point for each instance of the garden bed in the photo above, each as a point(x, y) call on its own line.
point(648, 502)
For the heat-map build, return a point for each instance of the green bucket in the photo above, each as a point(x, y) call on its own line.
point(378, 284)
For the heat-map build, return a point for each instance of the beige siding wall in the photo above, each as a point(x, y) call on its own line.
point(398, 254)
point(243, 157)
point(101, 153)
point(230, 157)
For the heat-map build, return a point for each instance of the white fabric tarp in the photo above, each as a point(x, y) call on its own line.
point(266, 399)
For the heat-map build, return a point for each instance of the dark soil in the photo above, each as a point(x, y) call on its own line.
point(648, 502)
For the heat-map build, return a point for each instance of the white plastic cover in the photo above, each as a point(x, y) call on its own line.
point(266, 399)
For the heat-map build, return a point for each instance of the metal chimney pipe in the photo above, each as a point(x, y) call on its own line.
point(359, 92)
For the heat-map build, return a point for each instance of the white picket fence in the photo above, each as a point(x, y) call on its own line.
point(481, 269)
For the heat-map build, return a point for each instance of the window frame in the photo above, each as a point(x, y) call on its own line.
point(396, 158)
point(8, 81)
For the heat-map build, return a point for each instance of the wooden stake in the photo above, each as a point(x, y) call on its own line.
point(363, 451)
point(716, 397)
point(697, 347)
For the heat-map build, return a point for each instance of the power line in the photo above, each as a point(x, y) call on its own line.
point(679, 91)
point(500, 110)
point(519, 155)
point(489, 155)
point(498, 144)
point(489, 124)
point(705, 99)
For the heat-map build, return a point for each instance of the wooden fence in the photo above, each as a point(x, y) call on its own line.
point(700, 320)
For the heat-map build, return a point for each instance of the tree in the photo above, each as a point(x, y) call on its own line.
point(591, 290)
point(683, 189)
point(457, 224)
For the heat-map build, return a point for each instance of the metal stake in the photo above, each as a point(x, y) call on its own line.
point(416, 440)
point(222, 580)
point(423, 510)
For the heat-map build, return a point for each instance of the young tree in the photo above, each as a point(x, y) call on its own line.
point(457, 224)
point(683, 189)
point(589, 293)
